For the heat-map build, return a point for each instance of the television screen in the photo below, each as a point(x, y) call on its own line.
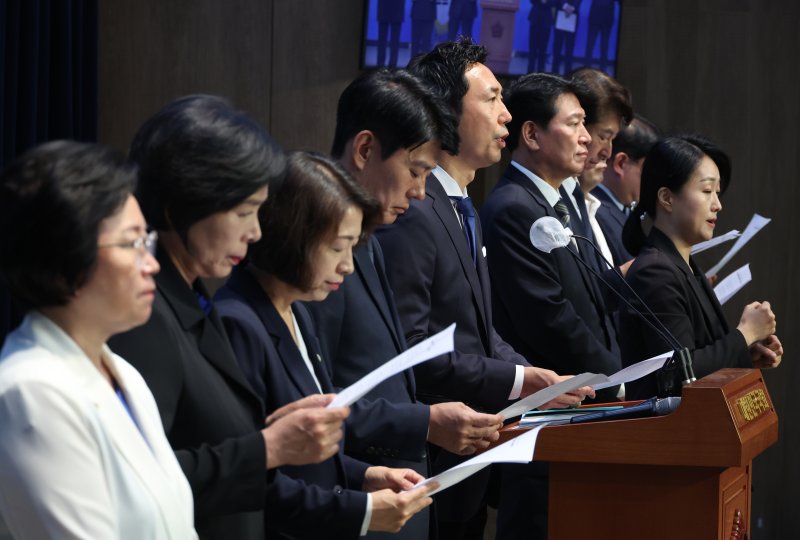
point(522, 36)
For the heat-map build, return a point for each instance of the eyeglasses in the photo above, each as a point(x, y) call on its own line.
point(143, 245)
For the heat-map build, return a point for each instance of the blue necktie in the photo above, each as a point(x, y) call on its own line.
point(467, 211)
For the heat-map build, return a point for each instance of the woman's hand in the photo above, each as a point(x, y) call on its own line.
point(767, 353)
point(757, 322)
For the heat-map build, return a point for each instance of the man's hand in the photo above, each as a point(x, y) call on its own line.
point(308, 402)
point(539, 378)
point(461, 430)
point(391, 510)
point(377, 478)
point(305, 435)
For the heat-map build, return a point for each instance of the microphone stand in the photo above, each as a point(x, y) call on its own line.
point(681, 358)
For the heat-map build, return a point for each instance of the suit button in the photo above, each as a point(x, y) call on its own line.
point(338, 490)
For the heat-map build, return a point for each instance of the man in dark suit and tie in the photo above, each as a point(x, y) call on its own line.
point(619, 190)
point(545, 304)
point(389, 134)
point(437, 269)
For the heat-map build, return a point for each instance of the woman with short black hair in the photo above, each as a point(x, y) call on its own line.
point(312, 223)
point(205, 169)
point(682, 181)
point(82, 449)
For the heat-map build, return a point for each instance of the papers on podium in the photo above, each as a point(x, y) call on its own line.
point(732, 284)
point(635, 371)
point(756, 224)
point(537, 399)
point(517, 450)
point(432, 347)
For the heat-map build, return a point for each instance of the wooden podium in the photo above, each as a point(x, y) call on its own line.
point(685, 475)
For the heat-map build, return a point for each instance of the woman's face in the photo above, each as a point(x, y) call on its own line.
point(334, 257)
point(121, 289)
point(695, 206)
point(219, 242)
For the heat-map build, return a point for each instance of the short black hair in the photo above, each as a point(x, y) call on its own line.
point(669, 164)
point(198, 156)
point(533, 98)
point(304, 211)
point(636, 139)
point(444, 69)
point(400, 109)
point(601, 94)
point(53, 200)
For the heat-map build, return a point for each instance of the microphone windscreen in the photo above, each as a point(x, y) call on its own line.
point(547, 234)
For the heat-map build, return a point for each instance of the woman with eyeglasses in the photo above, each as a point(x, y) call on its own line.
point(311, 223)
point(682, 181)
point(82, 449)
point(204, 171)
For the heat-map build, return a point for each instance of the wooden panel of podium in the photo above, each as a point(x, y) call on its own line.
point(686, 475)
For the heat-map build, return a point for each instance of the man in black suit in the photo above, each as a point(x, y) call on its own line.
point(619, 190)
point(389, 133)
point(545, 304)
point(461, 16)
point(437, 270)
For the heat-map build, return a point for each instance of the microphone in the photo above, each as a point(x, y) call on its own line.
point(547, 233)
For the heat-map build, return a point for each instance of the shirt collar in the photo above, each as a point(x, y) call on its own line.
point(448, 183)
point(612, 197)
point(550, 194)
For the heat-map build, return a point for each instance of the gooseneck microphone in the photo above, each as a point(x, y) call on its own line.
point(547, 233)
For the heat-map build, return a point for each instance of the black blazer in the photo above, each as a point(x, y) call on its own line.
point(359, 330)
point(436, 283)
point(210, 414)
point(684, 301)
point(265, 348)
point(545, 304)
point(612, 220)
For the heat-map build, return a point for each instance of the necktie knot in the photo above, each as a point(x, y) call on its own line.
point(464, 205)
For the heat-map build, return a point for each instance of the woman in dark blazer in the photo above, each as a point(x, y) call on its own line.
point(682, 180)
point(204, 172)
point(312, 224)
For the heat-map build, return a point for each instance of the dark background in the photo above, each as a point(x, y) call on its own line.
point(724, 68)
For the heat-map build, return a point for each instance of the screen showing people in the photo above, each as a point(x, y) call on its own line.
point(522, 36)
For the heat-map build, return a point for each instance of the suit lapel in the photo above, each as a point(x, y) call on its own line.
point(444, 210)
point(145, 458)
point(516, 176)
point(212, 340)
point(702, 293)
point(322, 367)
point(368, 274)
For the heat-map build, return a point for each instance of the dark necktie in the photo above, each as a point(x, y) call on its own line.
point(467, 211)
point(562, 211)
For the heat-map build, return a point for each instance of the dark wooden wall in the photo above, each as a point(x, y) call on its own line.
point(724, 68)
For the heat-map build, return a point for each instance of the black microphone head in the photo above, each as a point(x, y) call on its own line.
point(547, 233)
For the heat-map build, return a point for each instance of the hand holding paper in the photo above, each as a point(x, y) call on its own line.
point(432, 347)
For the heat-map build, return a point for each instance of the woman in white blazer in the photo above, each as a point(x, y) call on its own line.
point(82, 450)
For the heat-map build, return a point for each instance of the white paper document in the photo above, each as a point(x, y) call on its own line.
point(732, 284)
point(544, 395)
point(717, 240)
point(635, 371)
point(517, 450)
point(756, 224)
point(432, 347)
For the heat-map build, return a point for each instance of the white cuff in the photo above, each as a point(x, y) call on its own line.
point(519, 378)
point(367, 516)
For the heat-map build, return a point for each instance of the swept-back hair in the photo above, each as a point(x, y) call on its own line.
point(670, 164)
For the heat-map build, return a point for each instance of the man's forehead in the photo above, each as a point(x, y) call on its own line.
point(482, 79)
